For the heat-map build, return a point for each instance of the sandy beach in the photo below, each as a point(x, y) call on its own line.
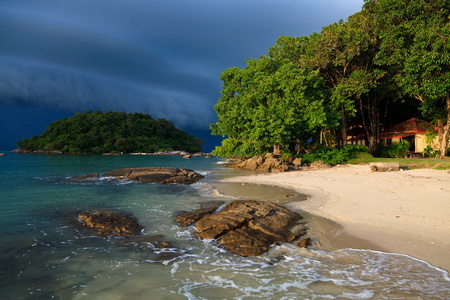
point(401, 212)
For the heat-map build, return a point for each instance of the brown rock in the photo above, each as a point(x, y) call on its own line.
point(249, 227)
point(157, 174)
point(297, 162)
point(267, 163)
point(273, 164)
point(304, 243)
point(384, 166)
point(289, 159)
point(87, 177)
point(188, 218)
point(110, 223)
point(318, 164)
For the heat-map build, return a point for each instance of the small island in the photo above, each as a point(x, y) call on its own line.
point(112, 132)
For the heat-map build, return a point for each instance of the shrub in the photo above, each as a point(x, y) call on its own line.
point(334, 155)
point(394, 150)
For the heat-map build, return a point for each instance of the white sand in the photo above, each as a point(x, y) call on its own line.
point(404, 212)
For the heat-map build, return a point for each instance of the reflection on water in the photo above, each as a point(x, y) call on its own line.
point(43, 257)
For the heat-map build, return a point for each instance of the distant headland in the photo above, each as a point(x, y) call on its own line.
point(111, 132)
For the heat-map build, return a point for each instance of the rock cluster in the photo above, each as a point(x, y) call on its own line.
point(156, 175)
point(266, 163)
point(384, 166)
point(249, 227)
point(110, 223)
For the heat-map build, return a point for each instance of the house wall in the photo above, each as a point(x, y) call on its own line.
point(420, 142)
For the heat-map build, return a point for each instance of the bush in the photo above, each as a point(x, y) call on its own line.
point(430, 152)
point(334, 155)
point(394, 150)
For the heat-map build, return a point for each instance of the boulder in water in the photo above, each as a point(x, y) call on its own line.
point(249, 227)
point(109, 223)
point(157, 175)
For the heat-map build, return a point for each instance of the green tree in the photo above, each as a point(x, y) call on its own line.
point(106, 132)
point(415, 42)
point(270, 102)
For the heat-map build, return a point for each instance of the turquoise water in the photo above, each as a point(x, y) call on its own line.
point(43, 257)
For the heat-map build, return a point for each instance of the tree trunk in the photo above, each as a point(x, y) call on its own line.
point(444, 132)
point(343, 126)
point(277, 149)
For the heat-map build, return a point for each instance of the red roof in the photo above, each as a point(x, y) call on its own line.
point(407, 128)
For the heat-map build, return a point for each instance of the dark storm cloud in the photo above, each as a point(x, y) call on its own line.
point(159, 57)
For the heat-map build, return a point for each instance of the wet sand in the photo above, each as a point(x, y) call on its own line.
point(401, 212)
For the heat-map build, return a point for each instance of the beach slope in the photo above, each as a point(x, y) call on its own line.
point(403, 212)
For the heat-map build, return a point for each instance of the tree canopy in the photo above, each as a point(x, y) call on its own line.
point(97, 132)
point(368, 70)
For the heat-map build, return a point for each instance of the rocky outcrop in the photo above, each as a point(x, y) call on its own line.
point(87, 177)
point(36, 151)
point(157, 175)
point(249, 227)
point(188, 218)
point(267, 163)
point(107, 223)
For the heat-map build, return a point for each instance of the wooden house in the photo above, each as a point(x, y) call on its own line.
point(412, 130)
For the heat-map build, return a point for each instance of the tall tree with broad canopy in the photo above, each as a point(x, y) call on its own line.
point(344, 53)
point(415, 42)
point(270, 102)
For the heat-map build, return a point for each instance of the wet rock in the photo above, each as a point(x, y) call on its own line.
point(186, 156)
point(168, 256)
point(107, 223)
point(206, 208)
point(157, 174)
point(248, 227)
point(304, 243)
point(3, 154)
point(87, 177)
point(149, 242)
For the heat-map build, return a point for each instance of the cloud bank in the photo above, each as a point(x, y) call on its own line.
point(158, 57)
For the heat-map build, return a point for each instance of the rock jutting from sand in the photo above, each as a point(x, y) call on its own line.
point(150, 175)
point(266, 163)
point(249, 227)
point(384, 166)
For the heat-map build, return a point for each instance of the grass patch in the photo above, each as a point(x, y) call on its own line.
point(411, 163)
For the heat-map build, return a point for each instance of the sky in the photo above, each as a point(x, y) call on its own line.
point(163, 58)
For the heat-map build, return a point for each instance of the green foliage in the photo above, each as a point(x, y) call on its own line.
point(334, 155)
point(430, 152)
point(97, 132)
point(271, 101)
point(394, 150)
point(234, 148)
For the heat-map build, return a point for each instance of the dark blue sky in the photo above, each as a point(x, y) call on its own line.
point(163, 58)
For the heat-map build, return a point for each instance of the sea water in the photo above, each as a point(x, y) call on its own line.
point(42, 256)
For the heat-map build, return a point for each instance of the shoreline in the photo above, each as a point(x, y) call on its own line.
point(404, 212)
